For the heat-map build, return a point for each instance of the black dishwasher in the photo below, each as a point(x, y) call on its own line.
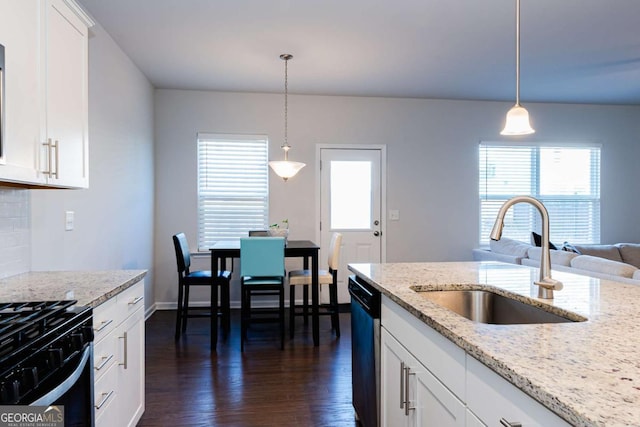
point(365, 351)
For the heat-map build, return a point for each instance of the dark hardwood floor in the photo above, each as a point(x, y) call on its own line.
point(188, 385)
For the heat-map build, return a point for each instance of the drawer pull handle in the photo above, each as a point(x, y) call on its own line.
point(105, 360)
point(124, 364)
point(104, 324)
point(407, 405)
point(506, 423)
point(137, 300)
point(401, 385)
point(105, 397)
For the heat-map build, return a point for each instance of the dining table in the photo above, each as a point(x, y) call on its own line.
point(224, 250)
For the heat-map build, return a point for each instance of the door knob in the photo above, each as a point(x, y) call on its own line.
point(376, 233)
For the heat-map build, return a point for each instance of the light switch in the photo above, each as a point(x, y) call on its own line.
point(394, 215)
point(68, 220)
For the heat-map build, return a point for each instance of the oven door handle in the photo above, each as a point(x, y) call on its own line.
point(65, 385)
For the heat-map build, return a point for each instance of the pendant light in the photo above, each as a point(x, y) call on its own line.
point(517, 122)
point(286, 169)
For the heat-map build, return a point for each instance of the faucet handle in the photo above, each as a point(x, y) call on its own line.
point(549, 283)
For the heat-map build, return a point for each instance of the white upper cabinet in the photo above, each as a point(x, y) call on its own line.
point(64, 159)
point(20, 93)
point(45, 93)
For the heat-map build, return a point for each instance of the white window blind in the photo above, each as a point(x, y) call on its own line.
point(566, 179)
point(233, 186)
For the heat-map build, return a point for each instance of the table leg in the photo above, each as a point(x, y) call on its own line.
point(214, 313)
point(315, 300)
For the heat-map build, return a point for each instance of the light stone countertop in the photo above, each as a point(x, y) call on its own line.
point(586, 372)
point(90, 288)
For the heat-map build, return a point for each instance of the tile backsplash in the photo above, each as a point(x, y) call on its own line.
point(14, 231)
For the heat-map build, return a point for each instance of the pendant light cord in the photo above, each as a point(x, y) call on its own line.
point(518, 52)
point(285, 146)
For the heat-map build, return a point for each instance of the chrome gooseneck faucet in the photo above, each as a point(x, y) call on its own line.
point(546, 285)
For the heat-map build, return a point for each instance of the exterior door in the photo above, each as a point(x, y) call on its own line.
point(351, 203)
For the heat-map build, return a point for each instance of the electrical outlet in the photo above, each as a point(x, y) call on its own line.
point(68, 220)
point(394, 215)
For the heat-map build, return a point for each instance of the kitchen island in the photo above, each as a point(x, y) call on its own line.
point(585, 372)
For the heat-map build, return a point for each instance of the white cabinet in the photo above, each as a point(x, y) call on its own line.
point(64, 159)
point(45, 109)
point(411, 395)
point(444, 385)
point(493, 399)
point(119, 358)
point(20, 37)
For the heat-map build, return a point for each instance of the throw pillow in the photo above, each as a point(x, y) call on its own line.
point(568, 247)
point(537, 240)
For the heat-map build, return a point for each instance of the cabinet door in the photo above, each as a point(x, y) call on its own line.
point(405, 381)
point(20, 36)
point(473, 421)
point(392, 386)
point(66, 101)
point(435, 405)
point(131, 369)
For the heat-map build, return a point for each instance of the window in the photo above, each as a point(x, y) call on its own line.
point(233, 187)
point(566, 179)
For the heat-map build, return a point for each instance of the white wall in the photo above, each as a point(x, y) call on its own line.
point(114, 217)
point(432, 163)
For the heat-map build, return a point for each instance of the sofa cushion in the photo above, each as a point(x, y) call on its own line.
point(630, 253)
point(508, 246)
point(602, 251)
point(557, 257)
point(602, 265)
point(636, 275)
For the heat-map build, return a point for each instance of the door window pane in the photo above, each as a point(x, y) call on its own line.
point(351, 201)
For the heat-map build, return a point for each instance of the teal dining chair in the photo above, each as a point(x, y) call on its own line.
point(262, 273)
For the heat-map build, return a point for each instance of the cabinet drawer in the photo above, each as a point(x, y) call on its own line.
point(104, 355)
point(441, 357)
point(105, 390)
point(492, 398)
point(130, 300)
point(105, 319)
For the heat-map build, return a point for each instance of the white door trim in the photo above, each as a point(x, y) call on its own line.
point(383, 189)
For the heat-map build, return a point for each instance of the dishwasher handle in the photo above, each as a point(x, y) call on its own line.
point(366, 296)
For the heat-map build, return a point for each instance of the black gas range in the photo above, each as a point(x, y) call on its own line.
point(46, 357)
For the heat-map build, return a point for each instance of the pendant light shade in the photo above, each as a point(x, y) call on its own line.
point(286, 169)
point(517, 122)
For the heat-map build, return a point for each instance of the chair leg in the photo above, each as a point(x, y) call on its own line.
point(179, 311)
point(281, 315)
point(185, 308)
point(243, 320)
point(305, 304)
point(292, 309)
point(335, 314)
point(226, 306)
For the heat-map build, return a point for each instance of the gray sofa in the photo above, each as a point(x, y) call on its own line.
point(620, 262)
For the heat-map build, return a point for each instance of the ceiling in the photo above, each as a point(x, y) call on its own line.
point(573, 51)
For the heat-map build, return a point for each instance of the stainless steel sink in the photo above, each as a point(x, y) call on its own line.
point(488, 307)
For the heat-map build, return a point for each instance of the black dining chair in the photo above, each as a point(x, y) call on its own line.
point(188, 278)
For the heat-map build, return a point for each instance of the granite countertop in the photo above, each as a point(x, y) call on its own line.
point(586, 372)
point(90, 288)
